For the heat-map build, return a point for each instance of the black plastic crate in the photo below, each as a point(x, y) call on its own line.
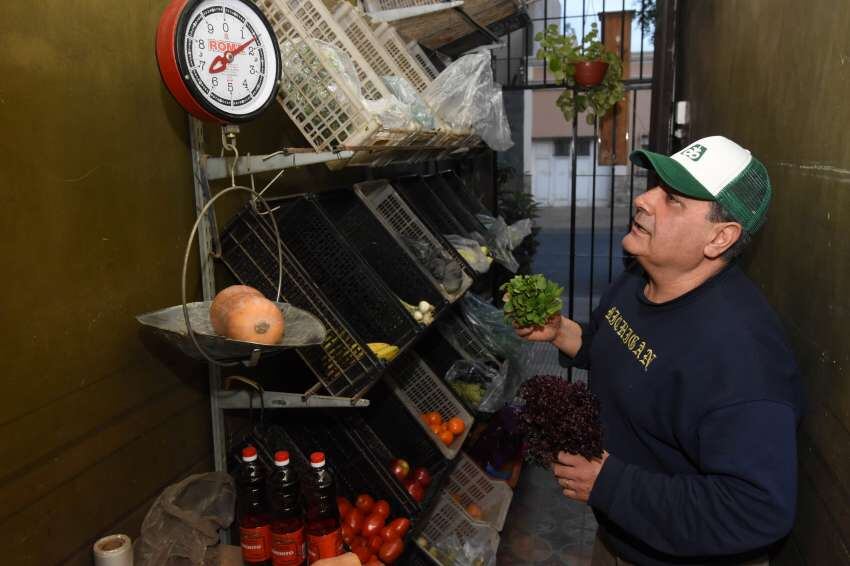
point(358, 294)
point(466, 194)
point(428, 206)
point(438, 353)
point(452, 202)
point(404, 437)
point(343, 363)
point(429, 246)
point(354, 466)
point(403, 275)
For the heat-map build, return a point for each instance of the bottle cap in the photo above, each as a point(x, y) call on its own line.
point(281, 458)
point(317, 459)
point(249, 454)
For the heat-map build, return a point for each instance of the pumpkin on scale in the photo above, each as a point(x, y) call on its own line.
point(240, 312)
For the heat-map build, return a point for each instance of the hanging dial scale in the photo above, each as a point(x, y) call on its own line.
point(219, 58)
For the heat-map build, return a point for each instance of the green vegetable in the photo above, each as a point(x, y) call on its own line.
point(531, 300)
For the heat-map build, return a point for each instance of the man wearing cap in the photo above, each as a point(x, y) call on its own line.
point(699, 390)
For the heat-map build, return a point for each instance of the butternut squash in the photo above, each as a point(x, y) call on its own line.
point(221, 305)
point(254, 318)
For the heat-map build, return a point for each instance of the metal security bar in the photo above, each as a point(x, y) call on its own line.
point(602, 194)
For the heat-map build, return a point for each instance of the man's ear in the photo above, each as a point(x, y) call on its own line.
point(724, 235)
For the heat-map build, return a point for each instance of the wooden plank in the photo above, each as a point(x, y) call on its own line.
point(89, 502)
point(614, 147)
point(39, 477)
point(441, 28)
point(31, 437)
point(131, 524)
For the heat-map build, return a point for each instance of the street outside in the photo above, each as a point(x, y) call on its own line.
point(553, 254)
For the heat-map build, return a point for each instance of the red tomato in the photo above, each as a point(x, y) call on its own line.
point(388, 533)
point(347, 534)
point(344, 506)
point(416, 491)
point(362, 551)
point(391, 550)
point(365, 503)
point(474, 511)
point(422, 476)
point(456, 425)
point(373, 525)
point(375, 543)
point(400, 468)
point(382, 508)
point(354, 520)
point(400, 526)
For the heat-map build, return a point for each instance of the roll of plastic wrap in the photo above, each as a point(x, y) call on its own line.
point(113, 550)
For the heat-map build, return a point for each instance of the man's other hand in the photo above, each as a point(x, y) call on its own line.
point(576, 474)
point(348, 559)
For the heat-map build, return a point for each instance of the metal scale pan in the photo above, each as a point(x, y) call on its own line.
point(302, 329)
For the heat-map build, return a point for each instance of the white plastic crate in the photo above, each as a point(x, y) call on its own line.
point(469, 484)
point(409, 67)
point(421, 391)
point(427, 65)
point(326, 119)
point(319, 23)
point(353, 22)
point(397, 217)
point(449, 519)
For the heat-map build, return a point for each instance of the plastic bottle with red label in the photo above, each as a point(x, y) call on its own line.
point(324, 538)
point(255, 536)
point(289, 546)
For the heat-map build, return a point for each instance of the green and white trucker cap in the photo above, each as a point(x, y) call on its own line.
point(715, 168)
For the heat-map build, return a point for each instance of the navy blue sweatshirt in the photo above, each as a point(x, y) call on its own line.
point(700, 399)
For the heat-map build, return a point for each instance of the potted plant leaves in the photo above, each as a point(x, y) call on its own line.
point(591, 75)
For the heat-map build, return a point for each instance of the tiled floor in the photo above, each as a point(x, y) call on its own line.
point(543, 527)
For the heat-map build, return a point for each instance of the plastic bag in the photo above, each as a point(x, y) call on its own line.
point(184, 521)
point(479, 383)
point(409, 96)
point(488, 324)
point(439, 263)
point(500, 245)
point(465, 97)
point(518, 231)
point(471, 251)
point(477, 548)
point(391, 113)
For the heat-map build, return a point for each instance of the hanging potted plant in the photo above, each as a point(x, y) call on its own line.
point(591, 75)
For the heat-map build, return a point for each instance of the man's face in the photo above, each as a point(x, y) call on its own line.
point(669, 230)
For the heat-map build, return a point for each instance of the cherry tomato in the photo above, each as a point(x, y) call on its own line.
point(456, 425)
point(391, 550)
point(373, 525)
point(382, 508)
point(422, 476)
point(365, 503)
point(399, 468)
point(416, 491)
point(347, 534)
point(344, 506)
point(375, 543)
point(447, 437)
point(362, 551)
point(433, 418)
point(474, 511)
point(354, 520)
point(400, 526)
point(388, 533)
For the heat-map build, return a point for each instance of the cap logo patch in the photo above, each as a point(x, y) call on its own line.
point(695, 152)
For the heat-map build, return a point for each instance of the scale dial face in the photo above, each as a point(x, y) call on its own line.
point(227, 58)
